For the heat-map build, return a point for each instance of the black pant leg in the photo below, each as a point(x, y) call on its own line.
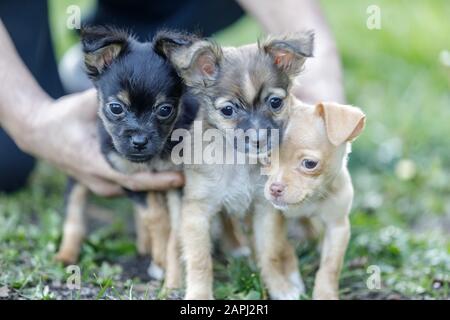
point(27, 24)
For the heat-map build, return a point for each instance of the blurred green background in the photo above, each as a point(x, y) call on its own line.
point(399, 75)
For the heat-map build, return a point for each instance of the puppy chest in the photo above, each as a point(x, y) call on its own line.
point(305, 210)
point(238, 191)
point(225, 187)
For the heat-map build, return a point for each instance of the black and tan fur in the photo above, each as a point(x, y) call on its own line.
point(244, 79)
point(136, 79)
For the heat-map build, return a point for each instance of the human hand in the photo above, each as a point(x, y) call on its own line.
point(64, 133)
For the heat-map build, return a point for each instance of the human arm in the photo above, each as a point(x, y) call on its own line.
point(322, 77)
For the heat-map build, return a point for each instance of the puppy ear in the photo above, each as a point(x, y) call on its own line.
point(289, 52)
point(101, 46)
point(196, 60)
point(343, 123)
point(166, 41)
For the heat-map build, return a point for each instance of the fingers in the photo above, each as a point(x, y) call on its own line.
point(159, 181)
point(85, 103)
point(101, 187)
point(88, 96)
point(142, 181)
point(103, 179)
point(77, 150)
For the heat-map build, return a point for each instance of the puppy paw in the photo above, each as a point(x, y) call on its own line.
point(240, 252)
point(319, 294)
point(198, 296)
point(66, 257)
point(296, 279)
point(173, 281)
point(155, 271)
point(172, 285)
point(291, 289)
point(292, 293)
point(325, 288)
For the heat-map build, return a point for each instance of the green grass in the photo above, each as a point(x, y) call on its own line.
point(400, 167)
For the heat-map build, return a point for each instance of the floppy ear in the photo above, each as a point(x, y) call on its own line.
point(101, 46)
point(290, 51)
point(196, 60)
point(343, 123)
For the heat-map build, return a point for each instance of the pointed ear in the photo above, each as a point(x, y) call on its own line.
point(289, 52)
point(343, 123)
point(196, 60)
point(101, 46)
point(166, 41)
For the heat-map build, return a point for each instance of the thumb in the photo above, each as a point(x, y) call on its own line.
point(87, 101)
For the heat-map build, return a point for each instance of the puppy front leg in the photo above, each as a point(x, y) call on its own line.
point(155, 218)
point(337, 235)
point(173, 264)
point(74, 223)
point(196, 242)
point(143, 241)
point(276, 256)
point(234, 239)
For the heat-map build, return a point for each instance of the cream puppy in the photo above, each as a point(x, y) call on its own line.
point(310, 179)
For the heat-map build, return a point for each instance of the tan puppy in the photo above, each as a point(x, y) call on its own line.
point(310, 180)
point(245, 88)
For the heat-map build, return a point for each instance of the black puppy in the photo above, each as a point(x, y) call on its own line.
point(140, 104)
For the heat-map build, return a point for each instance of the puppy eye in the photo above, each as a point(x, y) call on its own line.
point(309, 164)
point(164, 111)
point(116, 108)
point(227, 110)
point(275, 103)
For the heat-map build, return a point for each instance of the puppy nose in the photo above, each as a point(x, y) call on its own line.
point(139, 141)
point(277, 189)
